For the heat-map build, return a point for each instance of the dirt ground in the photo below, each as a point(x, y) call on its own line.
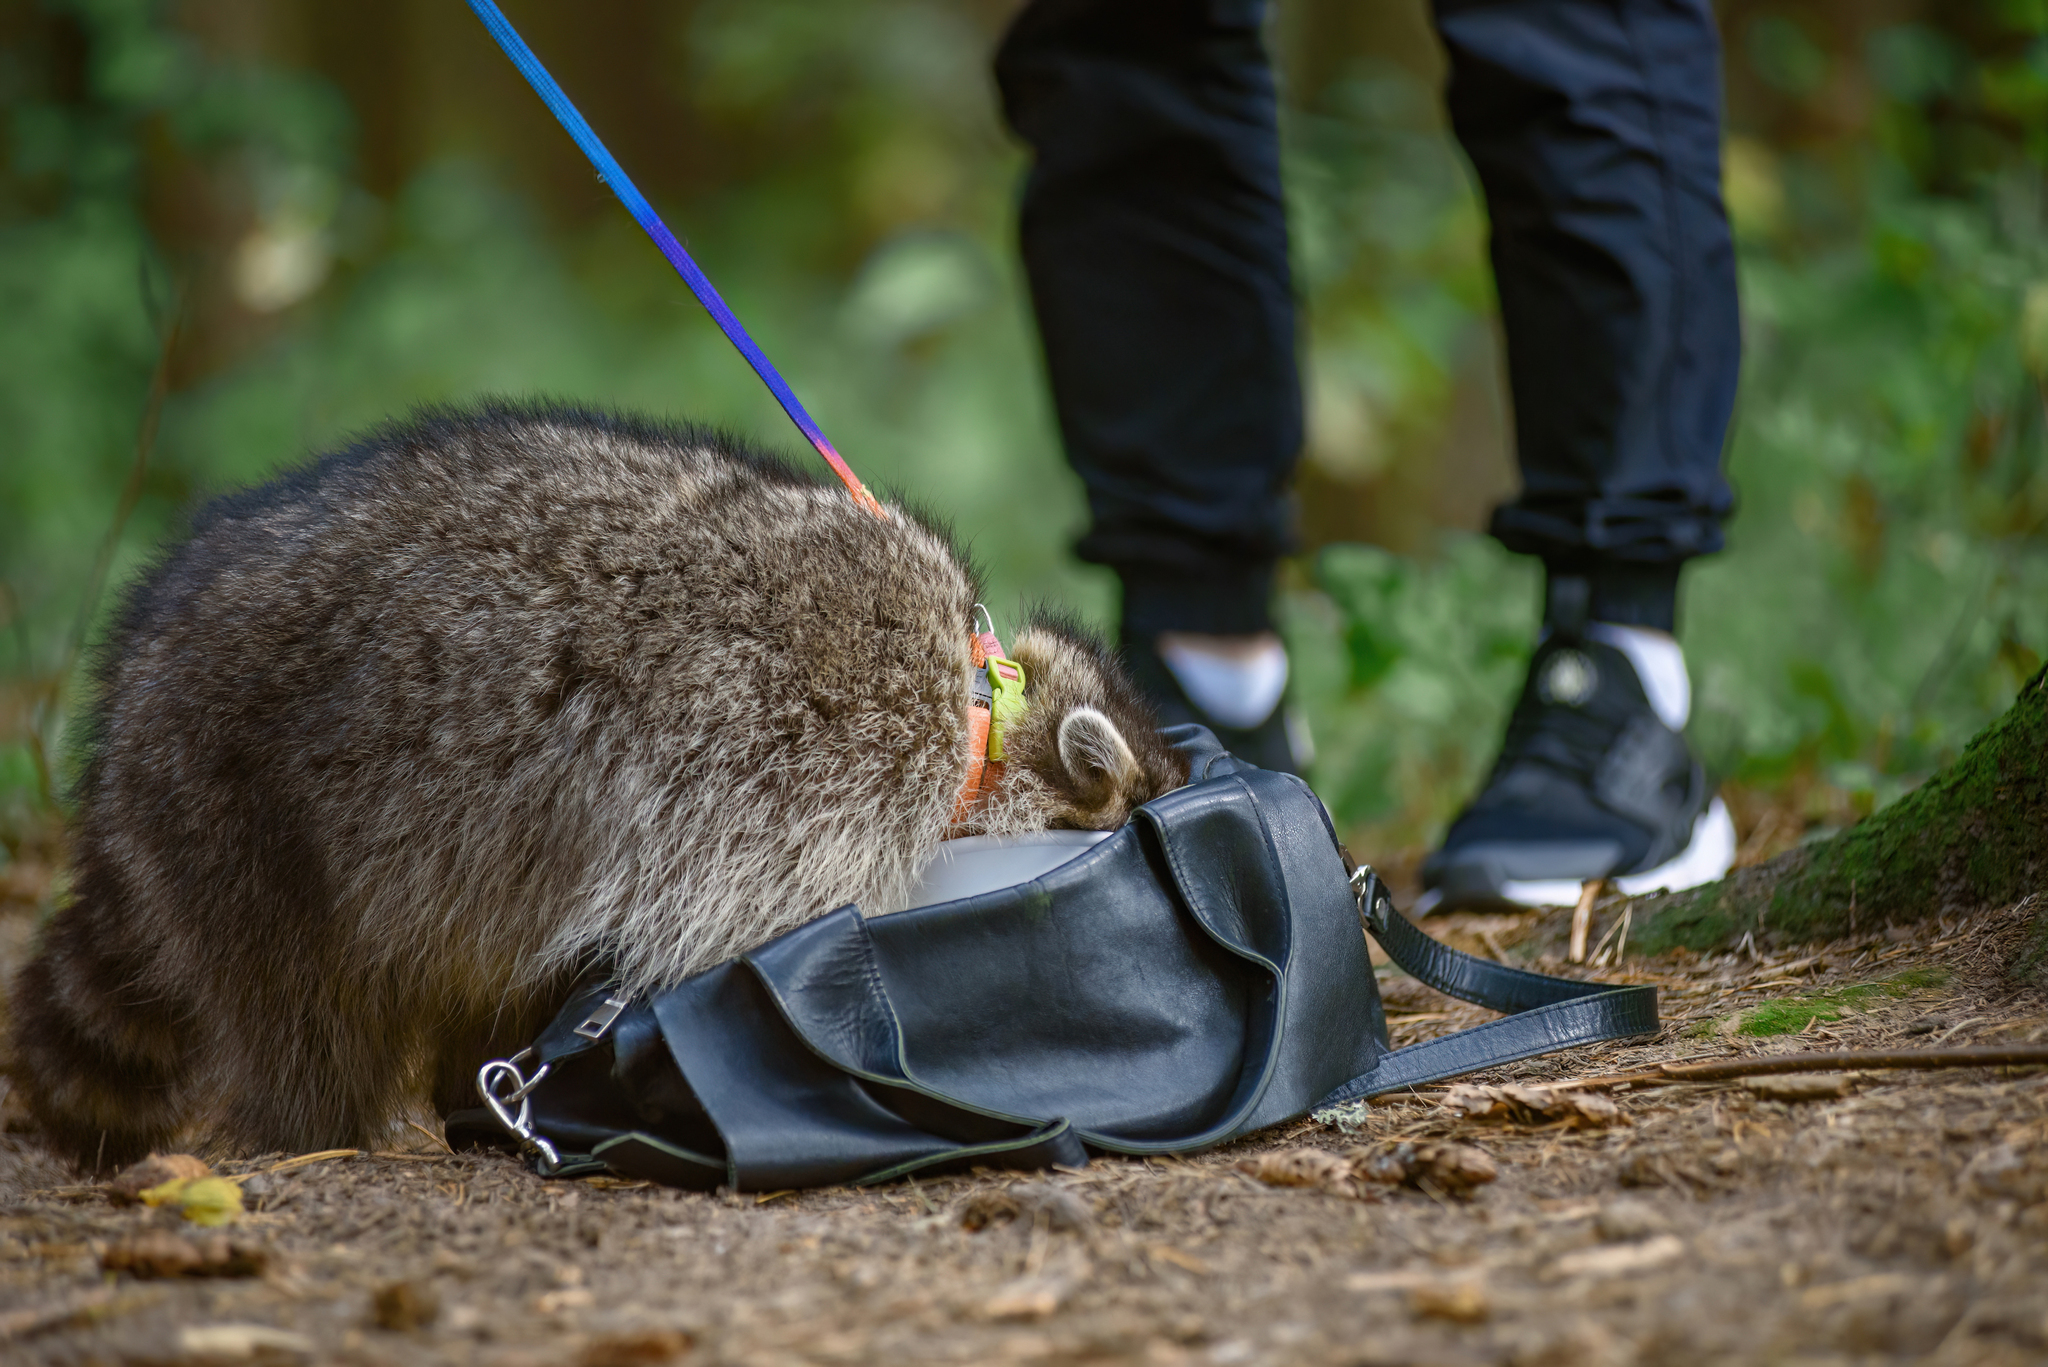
point(1901, 1218)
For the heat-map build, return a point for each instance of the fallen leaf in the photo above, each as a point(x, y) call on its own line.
point(1302, 1167)
point(208, 1201)
point(1571, 1106)
point(403, 1307)
point(985, 1208)
point(1798, 1086)
point(239, 1340)
point(644, 1348)
point(1614, 1260)
point(1027, 1298)
point(1458, 1302)
point(128, 1185)
point(159, 1253)
point(1451, 1168)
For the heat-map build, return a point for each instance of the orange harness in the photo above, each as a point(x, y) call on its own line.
point(997, 684)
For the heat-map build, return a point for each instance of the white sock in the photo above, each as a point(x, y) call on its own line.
point(1235, 687)
point(1659, 663)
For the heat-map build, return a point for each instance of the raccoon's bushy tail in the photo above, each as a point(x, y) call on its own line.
point(101, 1065)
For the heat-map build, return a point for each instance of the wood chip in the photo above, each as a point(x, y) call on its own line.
point(1187, 1262)
point(1615, 1260)
point(1027, 1298)
point(240, 1341)
point(158, 1253)
point(1798, 1086)
point(1458, 1302)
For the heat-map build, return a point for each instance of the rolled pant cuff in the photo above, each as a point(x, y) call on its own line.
point(1224, 600)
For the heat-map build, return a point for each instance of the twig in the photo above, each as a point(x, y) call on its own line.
point(305, 1159)
point(1619, 934)
point(1582, 917)
point(24, 1323)
point(1841, 1060)
point(443, 1143)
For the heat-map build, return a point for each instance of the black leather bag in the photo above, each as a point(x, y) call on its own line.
point(1198, 975)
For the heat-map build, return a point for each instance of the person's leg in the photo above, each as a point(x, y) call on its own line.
point(1154, 235)
point(1594, 126)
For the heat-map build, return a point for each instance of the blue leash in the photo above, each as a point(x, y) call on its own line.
point(614, 175)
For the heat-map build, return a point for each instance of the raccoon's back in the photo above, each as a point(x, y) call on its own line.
point(504, 687)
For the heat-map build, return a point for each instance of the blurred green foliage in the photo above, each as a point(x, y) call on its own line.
point(1885, 590)
point(335, 251)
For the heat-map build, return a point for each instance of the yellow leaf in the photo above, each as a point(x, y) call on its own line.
point(207, 1201)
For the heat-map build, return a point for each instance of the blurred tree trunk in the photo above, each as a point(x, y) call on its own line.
point(1973, 836)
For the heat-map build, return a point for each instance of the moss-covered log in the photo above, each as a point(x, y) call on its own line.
point(1975, 835)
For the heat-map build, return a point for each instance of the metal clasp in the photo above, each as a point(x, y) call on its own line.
point(492, 1081)
point(601, 1017)
point(1370, 894)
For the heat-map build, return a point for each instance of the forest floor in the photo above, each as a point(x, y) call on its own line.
point(1894, 1217)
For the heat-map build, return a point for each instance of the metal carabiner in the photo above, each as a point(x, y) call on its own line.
point(518, 1124)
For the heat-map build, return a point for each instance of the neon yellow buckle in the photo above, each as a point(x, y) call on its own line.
point(1006, 683)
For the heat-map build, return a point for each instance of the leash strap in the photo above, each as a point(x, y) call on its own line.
point(1548, 1013)
point(614, 175)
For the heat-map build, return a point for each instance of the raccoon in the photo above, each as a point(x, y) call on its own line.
point(393, 748)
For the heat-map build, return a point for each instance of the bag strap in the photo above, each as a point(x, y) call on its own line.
point(1546, 1013)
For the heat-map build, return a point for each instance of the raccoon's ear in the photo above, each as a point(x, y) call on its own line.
point(1096, 756)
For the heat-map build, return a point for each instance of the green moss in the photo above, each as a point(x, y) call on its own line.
point(1975, 835)
point(1790, 1015)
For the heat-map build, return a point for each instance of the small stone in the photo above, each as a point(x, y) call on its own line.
point(403, 1307)
point(1458, 1302)
point(1625, 1219)
point(1798, 1086)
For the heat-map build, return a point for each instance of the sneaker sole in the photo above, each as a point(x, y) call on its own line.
point(1709, 856)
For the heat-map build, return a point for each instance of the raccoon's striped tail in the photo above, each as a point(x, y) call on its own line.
point(614, 175)
point(104, 1074)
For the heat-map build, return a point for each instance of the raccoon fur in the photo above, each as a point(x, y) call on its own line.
point(394, 747)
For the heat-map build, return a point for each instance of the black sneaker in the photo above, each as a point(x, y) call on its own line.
point(1269, 745)
point(1590, 783)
